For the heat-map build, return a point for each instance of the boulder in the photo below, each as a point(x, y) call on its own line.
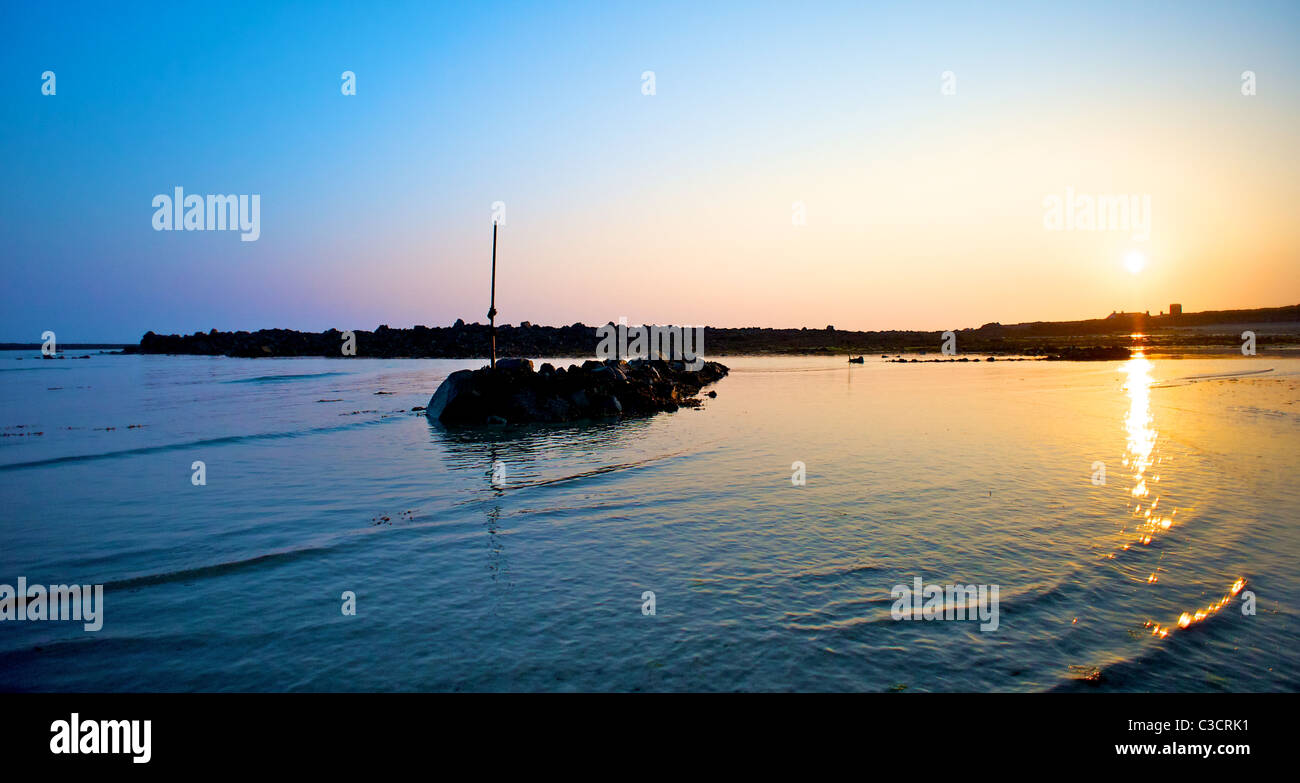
point(451, 389)
point(515, 365)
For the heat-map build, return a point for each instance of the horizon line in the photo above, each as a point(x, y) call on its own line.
point(19, 344)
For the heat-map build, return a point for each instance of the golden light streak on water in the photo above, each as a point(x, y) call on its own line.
point(1141, 435)
point(1190, 618)
point(1142, 438)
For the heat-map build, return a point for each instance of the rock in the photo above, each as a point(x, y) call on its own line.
point(619, 368)
point(515, 365)
point(451, 389)
point(608, 405)
point(516, 395)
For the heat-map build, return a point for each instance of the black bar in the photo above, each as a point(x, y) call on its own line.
point(998, 733)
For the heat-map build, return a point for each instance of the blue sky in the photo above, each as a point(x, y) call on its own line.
point(376, 207)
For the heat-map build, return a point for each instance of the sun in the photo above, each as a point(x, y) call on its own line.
point(1135, 262)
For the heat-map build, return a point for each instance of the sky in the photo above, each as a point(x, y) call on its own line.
point(871, 166)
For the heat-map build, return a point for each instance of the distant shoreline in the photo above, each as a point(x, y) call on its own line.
point(62, 346)
point(1208, 332)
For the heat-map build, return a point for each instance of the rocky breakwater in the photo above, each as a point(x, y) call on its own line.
point(1096, 353)
point(514, 393)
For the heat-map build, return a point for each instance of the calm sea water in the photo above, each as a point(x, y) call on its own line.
point(320, 480)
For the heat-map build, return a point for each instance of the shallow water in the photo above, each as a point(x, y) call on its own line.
point(955, 473)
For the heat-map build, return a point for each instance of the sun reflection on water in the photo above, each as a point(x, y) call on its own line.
point(1140, 458)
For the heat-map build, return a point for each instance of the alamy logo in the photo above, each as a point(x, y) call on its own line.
point(102, 736)
point(57, 602)
point(1103, 212)
point(180, 212)
point(946, 602)
point(675, 343)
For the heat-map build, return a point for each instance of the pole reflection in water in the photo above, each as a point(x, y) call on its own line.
point(497, 563)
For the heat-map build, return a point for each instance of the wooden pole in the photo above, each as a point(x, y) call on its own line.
point(492, 306)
